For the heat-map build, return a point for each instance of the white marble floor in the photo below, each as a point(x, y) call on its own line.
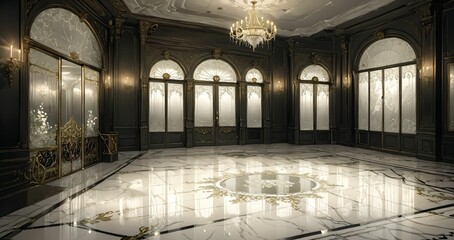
point(277, 191)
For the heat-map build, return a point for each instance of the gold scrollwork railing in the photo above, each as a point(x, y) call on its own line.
point(71, 138)
point(43, 165)
point(91, 151)
point(110, 143)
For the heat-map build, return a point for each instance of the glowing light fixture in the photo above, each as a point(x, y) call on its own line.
point(12, 65)
point(253, 31)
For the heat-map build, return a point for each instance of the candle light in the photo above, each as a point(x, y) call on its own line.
point(11, 51)
point(18, 55)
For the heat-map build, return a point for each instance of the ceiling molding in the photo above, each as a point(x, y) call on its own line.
point(293, 18)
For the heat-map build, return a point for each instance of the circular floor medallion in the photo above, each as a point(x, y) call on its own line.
point(271, 186)
point(274, 184)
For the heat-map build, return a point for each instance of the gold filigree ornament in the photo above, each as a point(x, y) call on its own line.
point(271, 186)
point(101, 217)
point(71, 132)
point(74, 55)
point(434, 196)
point(143, 233)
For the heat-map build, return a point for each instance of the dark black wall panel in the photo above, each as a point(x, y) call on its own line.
point(363, 138)
point(127, 85)
point(322, 137)
point(156, 139)
point(375, 139)
point(307, 137)
point(408, 143)
point(10, 122)
point(255, 135)
point(391, 141)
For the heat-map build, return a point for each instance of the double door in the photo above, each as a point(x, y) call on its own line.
point(64, 116)
point(215, 114)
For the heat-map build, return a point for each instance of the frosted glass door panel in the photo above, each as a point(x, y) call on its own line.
point(175, 111)
point(71, 92)
point(43, 99)
point(391, 102)
point(363, 101)
point(376, 106)
point(227, 111)
point(306, 106)
point(409, 99)
point(203, 109)
point(91, 103)
point(254, 106)
point(322, 107)
point(157, 107)
point(71, 117)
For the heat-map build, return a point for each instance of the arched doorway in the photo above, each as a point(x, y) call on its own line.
point(215, 105)
point(314, 97)
point(386, 96)
point(166, 105)
point(64, 81)
point(254, 115)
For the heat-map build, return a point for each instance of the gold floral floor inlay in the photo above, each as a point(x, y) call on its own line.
point(273, 187)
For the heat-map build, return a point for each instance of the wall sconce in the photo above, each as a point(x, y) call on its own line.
point(13, 65)
point(127, 83)
point(107, 82)
point(279, 86)
point(346, 83)
point(424, 74)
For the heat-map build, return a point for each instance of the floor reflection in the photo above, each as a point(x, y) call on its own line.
point(276, 191)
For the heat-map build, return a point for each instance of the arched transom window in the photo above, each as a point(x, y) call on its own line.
point(215, 70)
point(64, 32)
point(167, 69)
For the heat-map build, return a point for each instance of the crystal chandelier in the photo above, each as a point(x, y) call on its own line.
point(253, 31)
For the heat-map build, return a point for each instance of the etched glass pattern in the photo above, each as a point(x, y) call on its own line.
point(376, 101)
point(363, 101)
point(254, 106)
point(203, 109)
point(312, 71)
point(391, 100)
point(43, 71)
point(175, 111)
point(254, 75)
point(71, 110)
point(63, 31)
point(322, 107)
point(386, 52)
point(306, 106)
point(169, 67)
point(157, 107)
point(91, 103)
point(209, 69)
point(227, 116)
point(451, 97)
point(409, 99)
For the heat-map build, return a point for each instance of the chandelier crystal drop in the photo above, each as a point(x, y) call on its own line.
point(253, 31)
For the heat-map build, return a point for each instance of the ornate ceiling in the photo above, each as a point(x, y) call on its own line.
point(293, 17)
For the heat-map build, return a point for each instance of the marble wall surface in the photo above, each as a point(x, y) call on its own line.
point(277, 191)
